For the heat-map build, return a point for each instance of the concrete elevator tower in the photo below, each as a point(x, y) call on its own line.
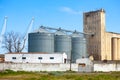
point(94, 22)
point(102, 45)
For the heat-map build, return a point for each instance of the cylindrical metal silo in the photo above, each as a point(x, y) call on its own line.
point(78, 47)
point(63, 43)
point(41, 41)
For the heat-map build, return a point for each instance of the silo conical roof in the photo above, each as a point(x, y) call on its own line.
point(75, 34)
point(41, 30)
point(59, 32)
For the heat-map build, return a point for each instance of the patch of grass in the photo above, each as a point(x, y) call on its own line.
point(79, 78)
point(11, 72)
point(69, 71)
point(56, 75)
point(6, 72)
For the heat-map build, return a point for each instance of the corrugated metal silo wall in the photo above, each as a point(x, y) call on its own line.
point(63, 44)
point(78, 48)
point(41, 42)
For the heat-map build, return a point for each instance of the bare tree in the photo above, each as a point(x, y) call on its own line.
point(13, 42)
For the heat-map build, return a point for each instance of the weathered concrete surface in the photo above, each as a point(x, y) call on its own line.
point(38, 67)
point(106, 67)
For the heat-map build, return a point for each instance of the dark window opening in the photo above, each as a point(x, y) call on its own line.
point(39, 57)
point(51, 57)
point(13, 57)
point(23, 57)
point(65, 60)
point(82, 64)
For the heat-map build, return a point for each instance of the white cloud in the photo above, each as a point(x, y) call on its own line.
point(69, 10)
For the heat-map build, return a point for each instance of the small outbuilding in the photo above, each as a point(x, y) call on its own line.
point(84, 65)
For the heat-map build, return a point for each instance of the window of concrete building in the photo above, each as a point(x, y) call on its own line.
point(13, 57)
point(51, 57)
point(40, 58)
point(82, 64)
point(23, 57)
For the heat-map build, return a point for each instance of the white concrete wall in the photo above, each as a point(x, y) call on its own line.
point(38, 67)
point(104, 67)
point(33, 58)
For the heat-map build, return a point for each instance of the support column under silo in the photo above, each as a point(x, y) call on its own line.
point(118, 48)
point(114, 48)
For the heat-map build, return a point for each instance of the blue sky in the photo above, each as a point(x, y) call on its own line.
point(67, 14)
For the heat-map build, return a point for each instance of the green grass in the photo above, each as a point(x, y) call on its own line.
point(22, 75)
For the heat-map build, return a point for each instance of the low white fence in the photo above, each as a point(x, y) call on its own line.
point(104, 67)
point(38, 67)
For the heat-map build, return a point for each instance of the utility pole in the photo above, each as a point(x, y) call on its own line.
point(70, 60)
